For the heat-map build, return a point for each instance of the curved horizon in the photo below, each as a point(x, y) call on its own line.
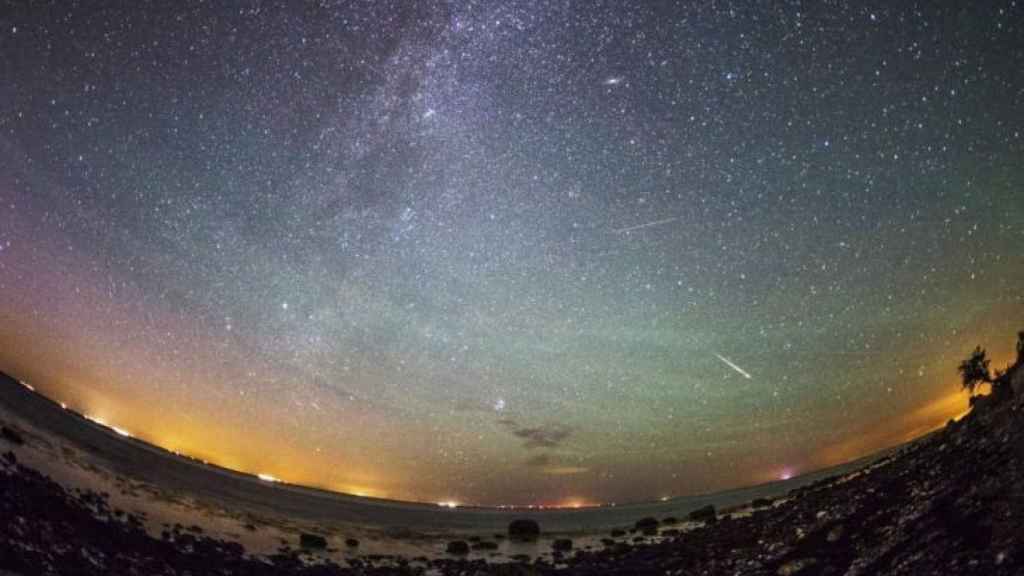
point(511, 252)
point(795, 480)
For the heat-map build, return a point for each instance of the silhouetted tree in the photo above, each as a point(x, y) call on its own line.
point(974, 370)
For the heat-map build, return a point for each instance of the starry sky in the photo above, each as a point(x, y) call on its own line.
point(515, 252)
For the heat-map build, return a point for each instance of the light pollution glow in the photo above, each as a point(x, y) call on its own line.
point(510, 253)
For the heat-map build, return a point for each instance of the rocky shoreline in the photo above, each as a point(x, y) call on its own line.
point(949, 503)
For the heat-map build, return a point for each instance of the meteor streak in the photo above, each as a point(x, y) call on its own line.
point(647, 225)
point(732, 365)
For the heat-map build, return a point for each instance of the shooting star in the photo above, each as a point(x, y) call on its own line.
point(647, 225)
point(732, 365)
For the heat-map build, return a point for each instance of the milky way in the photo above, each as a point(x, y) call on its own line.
point(511, 252)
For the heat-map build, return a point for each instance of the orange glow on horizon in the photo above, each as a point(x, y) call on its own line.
point(238, 445)
point(194, 445)
point(914, 424)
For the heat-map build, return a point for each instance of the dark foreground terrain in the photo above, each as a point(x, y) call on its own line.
point(951, 503)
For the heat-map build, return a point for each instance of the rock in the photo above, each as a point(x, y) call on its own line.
point(622, 548)
point(11, 436)
point(561, 545)
point(795, 566)
point(670, 520)
point(617, 533)
point(458, 547)
point(835, 534)
point(607, 542)
point(524, 529)
point(312, 541)
point(762, 502)
point(705, 514)
point(485, 545)
point(352, 543)
point(518, 568)
point(646, 523)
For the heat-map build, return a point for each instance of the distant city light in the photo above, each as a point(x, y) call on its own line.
point(27, 385)
point(267, 478)
point(95, 419)
point(448, 504)
point(102, 422)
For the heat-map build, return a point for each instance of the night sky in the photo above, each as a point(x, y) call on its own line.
point(511, 252)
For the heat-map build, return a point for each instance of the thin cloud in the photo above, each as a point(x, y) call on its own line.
point(544, 436)
point(550, 465)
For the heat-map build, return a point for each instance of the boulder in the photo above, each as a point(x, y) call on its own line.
point(705, 514)
point(646, 523)
point(458, 547)
point(11, 436)
point(835, 534)
point(524, 529)
point(485, 545)
point(351, 542)
point(314, 541)
point(796, 566)
point(561, 545)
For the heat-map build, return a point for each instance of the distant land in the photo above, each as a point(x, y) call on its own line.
point(82, 498)
point(145, 462)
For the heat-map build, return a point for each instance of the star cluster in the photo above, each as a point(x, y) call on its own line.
point(511, 252)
